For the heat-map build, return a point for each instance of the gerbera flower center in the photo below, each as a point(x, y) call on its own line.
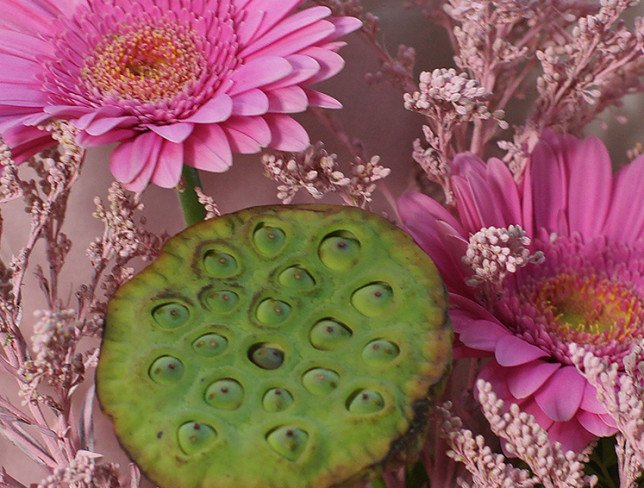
point(588, 309)
point(145, 63)
point(589, 293)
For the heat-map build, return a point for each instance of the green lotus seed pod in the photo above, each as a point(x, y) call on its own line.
point(366, 401)
point(267, 356)
point(220, 264)
point(329, 334)
point(273, 312)
point(380, 352)
point(289, 442)
point(171, 315)
point(166, 370)
point(320, 381)
point(339, 252)
point(210, 345)
point(373, 300)
point(283, 372)
point(297, 278)
point(194, 437)
point(277, 399)
point(225, 394)
point(269, 240)
point(222, 301)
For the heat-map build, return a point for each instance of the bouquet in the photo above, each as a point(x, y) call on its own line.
point(481, 152)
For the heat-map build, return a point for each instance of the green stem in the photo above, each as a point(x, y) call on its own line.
point(193, 211)
point(378, 483)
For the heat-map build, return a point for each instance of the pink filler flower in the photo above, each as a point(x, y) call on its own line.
point(521, 312)
point(170, 81)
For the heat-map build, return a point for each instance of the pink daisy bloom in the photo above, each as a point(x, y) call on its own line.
point(533, 267)
point(170, 81)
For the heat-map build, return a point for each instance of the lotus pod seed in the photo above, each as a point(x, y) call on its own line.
point(289, 442)
point(220, 264)
point(225, 394)
point(329, 334)
point(320, 381)
point(223, 301)
point(269, 240)
point(277, 400)
point(380, 352)
point(195, 436)
point(210, 345)
point(366, 401)
point(279, 354)
point(273, 312)
point(171, 315)
point(267, 356)
point(339, 252)
point(296, 278)
point(373, 300)
point(166, 370)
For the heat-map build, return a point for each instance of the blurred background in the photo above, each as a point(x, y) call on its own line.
point(373, 114)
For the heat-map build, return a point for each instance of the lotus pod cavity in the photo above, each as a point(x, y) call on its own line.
point(276, 347)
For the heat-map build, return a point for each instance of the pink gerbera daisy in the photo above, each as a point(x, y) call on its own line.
point(170, 81)
point(531, 268)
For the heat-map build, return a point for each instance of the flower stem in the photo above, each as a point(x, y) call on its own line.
point(378, 483)
point(193, 211)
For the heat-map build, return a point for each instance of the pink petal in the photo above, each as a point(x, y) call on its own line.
point(23, 93)
point(295, 41)
point(252, 102)
point(548, 177)
point(176, 133)
point(331, 63)
point(595, 425)
point(589, 401)
point(496, 376)
point(290, 99)
point(345, 25)
point(625, 221)
point(319, 99)
point(247, 135)
point(259, 72)
point(68, 111)
point(248, 28)
point(214, 110)
point(168, 170)
point(571, 435)
point(119, 135)
point(26, 141)
point(531, 407)
point(560, 397)
point(504, 189)
point(478, 334)
point(468, 306)
point(102, 125)
point(141, 181)
point(23, 44)
point(129, 158)
point(273, 12)
point(417, 206)
point(304, 68)
point(287, 29)
point(287, 134)
point(524, 380)
point(83, 122)
point(513, 351)
point(420, 216)
point(589, 169)
point(208, 149)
